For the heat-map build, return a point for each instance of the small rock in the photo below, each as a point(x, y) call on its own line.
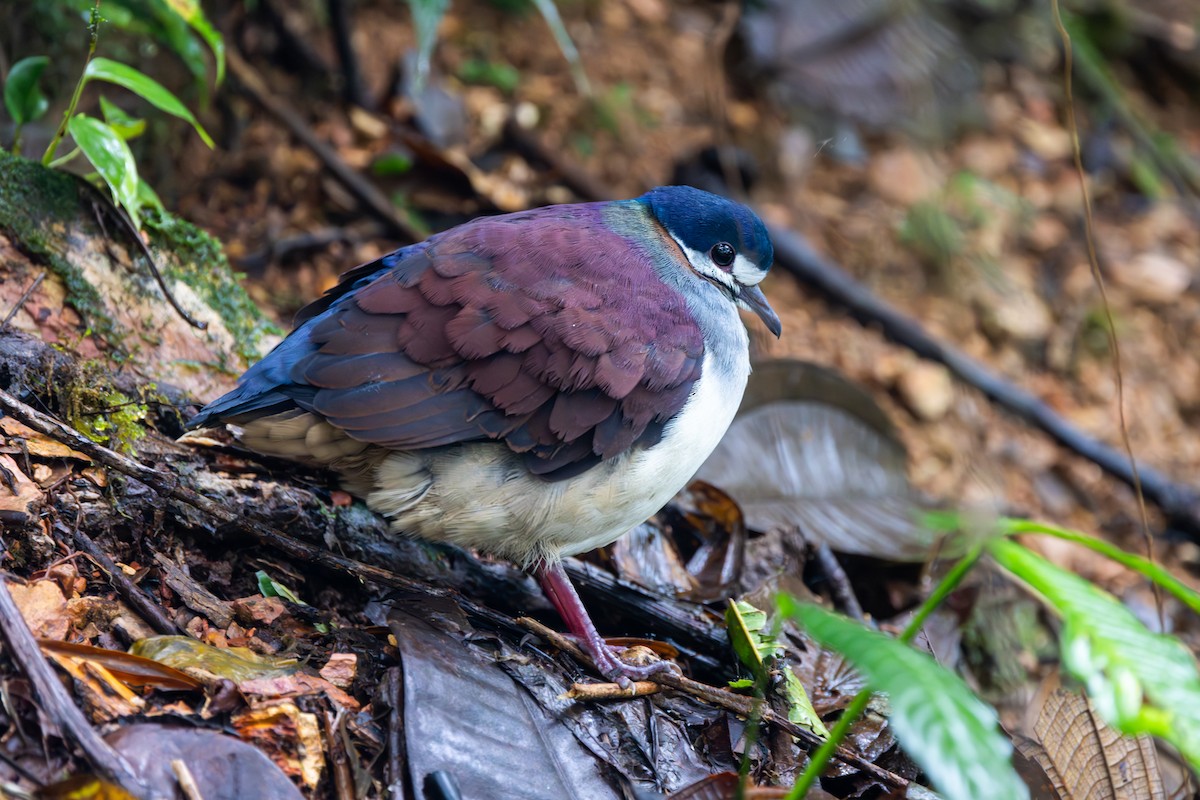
point(340, 669)
point(1048, 142)
point(927, 389)
point(904, 176)
point(987, 157)
point(1046, 233)
point(1152, 277)
point(1015, 312)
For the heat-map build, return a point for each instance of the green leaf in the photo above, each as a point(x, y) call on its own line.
point(112, 158)
point(148, 197)
point(1182, 592)
point(1139, 681)
point(128, 127)
point(141, 84)
point(191, 13)
point(949, 732)
point(741, 683)
point(272, 588)
point(22, 96)
point(391, 164)
point(800, 707)
point(745, 624)
point(427, 16)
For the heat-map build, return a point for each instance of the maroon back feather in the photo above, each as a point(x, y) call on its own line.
point(546, 330)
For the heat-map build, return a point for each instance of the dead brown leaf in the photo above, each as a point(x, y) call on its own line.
point(44, 608)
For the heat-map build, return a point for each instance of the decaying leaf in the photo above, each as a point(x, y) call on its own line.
point(208, 663)
point(131, 669)
point(810, 450)
point(1085, 759)
point(44, 608)
point(463, 716)
point(223, 767)
point(291, 737)
point(19, 496)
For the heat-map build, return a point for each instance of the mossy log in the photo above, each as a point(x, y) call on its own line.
point(98, 297)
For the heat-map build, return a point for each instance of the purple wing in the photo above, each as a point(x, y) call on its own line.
point(545, 330)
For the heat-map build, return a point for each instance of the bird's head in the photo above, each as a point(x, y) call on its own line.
point(724, 242)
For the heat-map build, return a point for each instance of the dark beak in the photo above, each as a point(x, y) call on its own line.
point(752, 298)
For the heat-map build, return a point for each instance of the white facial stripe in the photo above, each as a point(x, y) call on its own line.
point(746, 271)
point(702, 263)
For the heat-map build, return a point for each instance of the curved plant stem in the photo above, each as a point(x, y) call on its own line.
point(819, 759)
point(93, 37)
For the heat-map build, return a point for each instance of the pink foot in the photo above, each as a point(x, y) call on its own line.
point(558, 588)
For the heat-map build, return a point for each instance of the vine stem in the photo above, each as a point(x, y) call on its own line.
point(93, 37)
point(818, 761)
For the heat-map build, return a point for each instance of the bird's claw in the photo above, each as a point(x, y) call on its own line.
point(623, 666)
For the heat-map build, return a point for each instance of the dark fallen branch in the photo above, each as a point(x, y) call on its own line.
point(375, 201)
point(131, 593)
point(1180, 503)
point(57, 703)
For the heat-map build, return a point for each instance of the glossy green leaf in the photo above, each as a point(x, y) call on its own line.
point(111, 157)
point(1139, 681)
point(126, 126)
point(143, 86)
point(22, 95)
point(191, 13)
point(745, 624)
point(949, 732)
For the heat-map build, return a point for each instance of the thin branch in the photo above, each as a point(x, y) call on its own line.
point(363, 190)
point(1179, 502)
point(23, 299)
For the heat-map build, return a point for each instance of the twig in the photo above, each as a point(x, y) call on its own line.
point(1179, 502)
point(101, 201)
point(340, 26)
point(57, 703)
point(131, 593)
point(397, 775)
point(610, 691)
point(339, 758)
point(738, 704)
point(362, 189)
point(187, 782)
point(843, 592)
point(24, 298)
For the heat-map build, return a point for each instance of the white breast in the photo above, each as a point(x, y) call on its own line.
point(481, 496)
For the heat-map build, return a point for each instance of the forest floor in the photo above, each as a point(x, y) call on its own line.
point(973, 225)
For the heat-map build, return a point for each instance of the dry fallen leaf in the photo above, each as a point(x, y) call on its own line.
point(289, 736)
point(44, 608)
point(19, 496)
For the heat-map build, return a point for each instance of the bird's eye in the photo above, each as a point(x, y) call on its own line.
point(722, 254)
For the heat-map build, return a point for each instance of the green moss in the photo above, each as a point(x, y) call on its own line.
point(38, 209)
point(34, 201)
point(196, 258)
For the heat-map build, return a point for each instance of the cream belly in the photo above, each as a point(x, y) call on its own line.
point(480, 495)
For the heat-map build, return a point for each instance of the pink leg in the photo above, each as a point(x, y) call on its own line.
point(558, 588)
